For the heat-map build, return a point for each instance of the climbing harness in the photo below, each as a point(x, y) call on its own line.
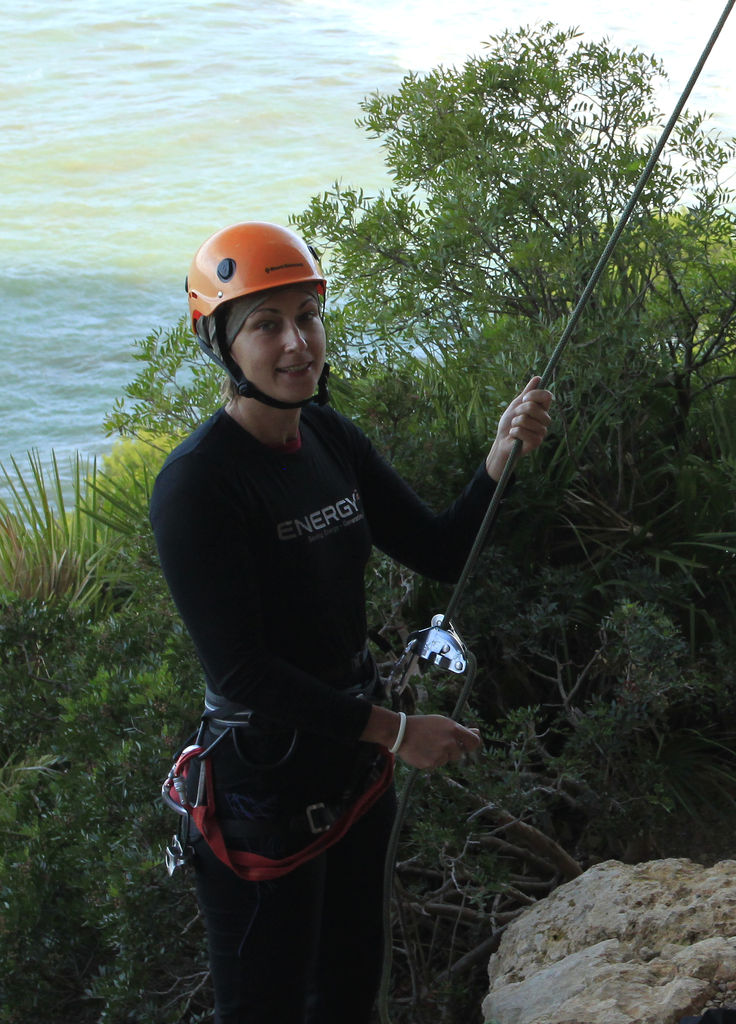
point(440, 645)
point(315, 827)
point(324, 823)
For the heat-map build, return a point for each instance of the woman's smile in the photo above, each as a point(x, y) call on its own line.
point(293, 370)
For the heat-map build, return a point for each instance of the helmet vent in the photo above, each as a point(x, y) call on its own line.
point(226, 269)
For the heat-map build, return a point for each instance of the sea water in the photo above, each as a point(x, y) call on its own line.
point(132, 129)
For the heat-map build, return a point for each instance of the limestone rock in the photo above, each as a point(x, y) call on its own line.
point(622, 944)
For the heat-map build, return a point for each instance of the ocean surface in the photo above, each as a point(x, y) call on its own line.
point(130, 130)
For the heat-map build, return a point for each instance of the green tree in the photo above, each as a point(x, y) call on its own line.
point(510, 173)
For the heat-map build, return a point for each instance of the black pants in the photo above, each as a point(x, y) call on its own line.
point(305, 948)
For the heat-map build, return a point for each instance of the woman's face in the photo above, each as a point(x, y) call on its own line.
point(281, 345)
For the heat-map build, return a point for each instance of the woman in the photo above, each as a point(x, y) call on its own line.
point(264, 519)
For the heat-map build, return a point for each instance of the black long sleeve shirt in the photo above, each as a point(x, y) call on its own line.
point(264, 551)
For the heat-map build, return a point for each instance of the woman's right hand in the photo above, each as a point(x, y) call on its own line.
point(430, 741)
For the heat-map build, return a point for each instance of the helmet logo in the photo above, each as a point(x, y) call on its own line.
point(283, 266)
point(226, 269)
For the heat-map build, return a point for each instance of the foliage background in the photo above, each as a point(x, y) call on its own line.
point(601, 615)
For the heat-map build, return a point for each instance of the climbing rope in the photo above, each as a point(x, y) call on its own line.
point(412, 655)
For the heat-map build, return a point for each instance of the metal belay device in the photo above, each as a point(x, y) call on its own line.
point(438, 645)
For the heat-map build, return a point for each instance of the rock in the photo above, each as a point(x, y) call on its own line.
point(622, 944)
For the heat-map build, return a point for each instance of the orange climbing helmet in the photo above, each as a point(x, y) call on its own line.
point(246, 258)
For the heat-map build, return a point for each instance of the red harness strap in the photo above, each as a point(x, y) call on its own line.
point(253, 867)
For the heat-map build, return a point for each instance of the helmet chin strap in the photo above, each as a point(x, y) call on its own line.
point(247, 389)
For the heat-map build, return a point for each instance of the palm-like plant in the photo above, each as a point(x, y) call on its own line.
point(50, 544)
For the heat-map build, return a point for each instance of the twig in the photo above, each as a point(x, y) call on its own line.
point(451, 911)
point(479, 954)
point(537, 841)
point(509, 849)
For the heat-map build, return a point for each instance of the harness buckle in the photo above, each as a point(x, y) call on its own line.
point(320, 818)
